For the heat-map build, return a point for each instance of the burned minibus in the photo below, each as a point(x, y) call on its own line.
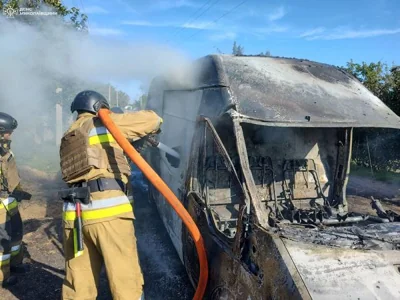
point(265, 145)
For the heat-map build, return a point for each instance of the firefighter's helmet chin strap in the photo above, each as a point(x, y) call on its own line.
point(4, 145)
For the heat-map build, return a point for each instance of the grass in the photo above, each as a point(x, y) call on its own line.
point(384, 176)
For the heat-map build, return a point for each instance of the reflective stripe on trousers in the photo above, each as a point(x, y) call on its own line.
point(15, 250)
point(9, 203)
point(5, 259)
point(98, 209)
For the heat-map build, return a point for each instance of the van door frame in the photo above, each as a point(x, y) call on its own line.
point(199, 211)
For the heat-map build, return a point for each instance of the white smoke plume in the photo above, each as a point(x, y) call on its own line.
point(32, 58)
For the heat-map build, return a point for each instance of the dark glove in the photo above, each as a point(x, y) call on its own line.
point(21, 195)
point(143, 143)
point(140, 145)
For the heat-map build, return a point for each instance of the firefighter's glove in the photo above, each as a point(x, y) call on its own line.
point(20, 195)
point(143, 143)
point(140, 145)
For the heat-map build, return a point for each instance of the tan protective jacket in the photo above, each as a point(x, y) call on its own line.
point(9, 181)
point(88, 151)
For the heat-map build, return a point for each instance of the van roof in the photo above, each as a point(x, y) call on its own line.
point(289, 91)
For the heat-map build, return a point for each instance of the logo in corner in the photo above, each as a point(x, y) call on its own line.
point(9, 12)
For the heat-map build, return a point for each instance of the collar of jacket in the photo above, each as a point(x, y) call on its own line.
point(84, 115)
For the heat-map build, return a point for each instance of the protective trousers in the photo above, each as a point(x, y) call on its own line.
point(11, 233)
point(110, 243)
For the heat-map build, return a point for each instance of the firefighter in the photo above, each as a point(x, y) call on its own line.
point(11, 226)
point(90, 158)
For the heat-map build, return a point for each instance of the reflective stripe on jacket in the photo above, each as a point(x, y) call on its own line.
point(10, 204)
point(5, 259)
point(100, 135)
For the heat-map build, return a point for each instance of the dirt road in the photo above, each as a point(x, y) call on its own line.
point(366, 187)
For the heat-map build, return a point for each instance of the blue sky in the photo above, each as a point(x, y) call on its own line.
point(323, 30)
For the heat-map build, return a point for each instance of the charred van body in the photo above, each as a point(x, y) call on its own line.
point(265, 146)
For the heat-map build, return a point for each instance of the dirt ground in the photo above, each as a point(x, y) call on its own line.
point(366, 187)
point(165, 277)
point(360, 190)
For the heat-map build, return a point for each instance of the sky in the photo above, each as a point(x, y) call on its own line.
point(328, 31)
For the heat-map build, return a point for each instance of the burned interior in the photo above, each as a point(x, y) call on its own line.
point(299, 175)
point(299, 172)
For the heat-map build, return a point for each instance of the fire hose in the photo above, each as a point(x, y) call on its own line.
point(160, 185)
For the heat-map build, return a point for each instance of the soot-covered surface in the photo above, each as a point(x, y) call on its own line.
point(283, 90)
point(370, 237)
point(289, 90)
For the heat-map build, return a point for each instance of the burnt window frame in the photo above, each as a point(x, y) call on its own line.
point(197, 185)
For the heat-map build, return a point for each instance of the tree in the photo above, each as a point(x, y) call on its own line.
point(234, 48)
point(71, 17)
point(382, 82)
point(378, 148)
point(267, 53)
point(372, 75)
point(76, 19)
point(237, 49)
point(70, 88)
point(123, 99)
point(140, 103)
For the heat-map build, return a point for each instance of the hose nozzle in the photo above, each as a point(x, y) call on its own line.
point(163, 147)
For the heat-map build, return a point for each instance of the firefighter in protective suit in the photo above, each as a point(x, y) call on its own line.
point(11, 226)
point(90, 158)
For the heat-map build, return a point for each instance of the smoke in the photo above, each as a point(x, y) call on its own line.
point(34, 59)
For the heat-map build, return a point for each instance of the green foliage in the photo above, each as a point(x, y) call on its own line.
point(372, 147)
point(377, 148)
point(380, 80)
point(78, 20)
point(74, 18)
